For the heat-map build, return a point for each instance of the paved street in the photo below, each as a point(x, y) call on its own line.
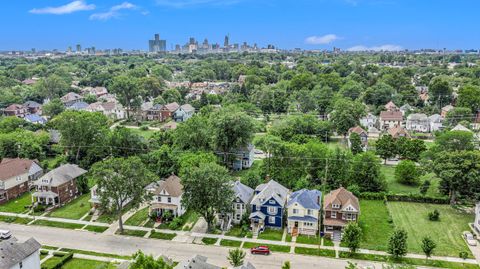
point(177, 251)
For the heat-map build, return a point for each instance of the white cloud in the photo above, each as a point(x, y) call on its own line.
point(321, 40)
point(113, 12)
point(387, 47)
point(74, 6)
point(191, 3)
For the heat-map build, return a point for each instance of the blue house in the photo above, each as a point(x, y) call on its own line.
point(183, 113)
point(243, 158)
point(268, 205)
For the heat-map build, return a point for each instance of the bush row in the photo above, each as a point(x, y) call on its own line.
point(404, 197)
point(65, 257)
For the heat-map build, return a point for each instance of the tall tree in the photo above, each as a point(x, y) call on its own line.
point(142, 261)
point(236, 257)
point(406, 173)
point(346, 114)
point(53, 108)
point(355, 143)
point(352, 236)
point(428, 246)
point(440, 91)
point(207, 190)
point(385, 147)
point(397, 244)
point(365, 172)
point(121, 181)
point(469, 96)
point(128, 90)
point(124, 142)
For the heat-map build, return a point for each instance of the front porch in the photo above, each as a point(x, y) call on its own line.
point(161, 210)
point(257, 223)
point(47, 198)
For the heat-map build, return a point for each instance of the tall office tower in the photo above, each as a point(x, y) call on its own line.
point(79, 48)
point(191, 41)
point(69, 49)
point(34, 50)
point(157, 44)
point(205, 44)
point(225, 44)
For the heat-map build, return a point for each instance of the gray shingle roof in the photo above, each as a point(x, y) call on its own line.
point(12, 252)
point(61, 175)
point(197, 262)
point(242, 191)
point(272, 189)
point(309, 199)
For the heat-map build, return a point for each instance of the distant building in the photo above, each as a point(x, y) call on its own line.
point(183, 113)
point(340, 207)
point(16, 255)
point(157, 45)
point(363, 136)
point(71, 98)
point(418, 122)
point(390, 119)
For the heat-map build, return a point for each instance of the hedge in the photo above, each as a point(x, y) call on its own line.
point(411, 197)
point(65, 258)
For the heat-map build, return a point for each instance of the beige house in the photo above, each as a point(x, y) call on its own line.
point(167, 196)
point(16, 177)
point(303, 209)
point(340, 207)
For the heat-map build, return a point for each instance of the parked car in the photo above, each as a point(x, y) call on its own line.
point(260, 250)
point(5, 234)
point(469, 238)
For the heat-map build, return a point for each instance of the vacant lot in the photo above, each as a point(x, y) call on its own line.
point(393, 186)
point(375, 225)
point(447, 233)
point(17, 205)
point(76, 209)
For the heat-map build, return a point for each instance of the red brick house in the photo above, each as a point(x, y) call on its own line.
point(15, 110)
point(340, 207)
point(58, 186)
point(16, 177)
point(167, 111)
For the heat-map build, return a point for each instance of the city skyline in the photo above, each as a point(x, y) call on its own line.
point(346, 24)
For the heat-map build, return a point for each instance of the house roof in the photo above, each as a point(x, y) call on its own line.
point(343, 197)
point(71, 96)
point(31, 104)
point(242, 191)
point(187, 108)
point(391, 116)
point(61, 175)
point(406, 107)
point(390, 105)
point(248, 265)
point(171, 107)
point(12, 252)
point(35, 118)
point(435, 118)
point(271, 189)
point(197, 262)
point(357, 129)
point(111, 106)
point(172, 185)
point(257, 214)
point(308, 199)
point(460, 127)
point(14, 167)
point(13, 107)
point(398, 131)
point(79, 106)
point(418, 116)
point(447, 108)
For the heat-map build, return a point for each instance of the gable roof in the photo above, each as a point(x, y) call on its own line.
point(343, 197)
point(14, 167)
point(172, 185)
point(271, 189)
point(71, 96)
point(357, 129)
point(61, 175)
point(391, 116)
point(460, 127)
point(187, 108)
point(308, 199)
point(398, 131)
point(418, 116)
point(435, 118)
point(79, 106)
point(171, 107)
point(197, 262)
point(391, 106)
point(35, 118)
point(242, 191)
point(13, 107)
point(31, 104)
point(13, 252)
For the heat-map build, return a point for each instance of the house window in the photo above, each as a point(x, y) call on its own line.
point(238, 216)
point(295, 211)
point(21, 265)
point(333, 215)
point(309, 212)
point(159, 198)
point(335, 206)
point(272, 210)
point(271, 202)
point(238, 206)
point(169, 199)
point(271, 220)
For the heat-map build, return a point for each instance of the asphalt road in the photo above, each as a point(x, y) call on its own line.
point(177, 251)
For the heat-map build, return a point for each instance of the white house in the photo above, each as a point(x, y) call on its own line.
point(167, 196)
point(369, 121)
point(406, 108)
point(418, 122)
point(303, 209)
point(436, 122)
point(16, 255)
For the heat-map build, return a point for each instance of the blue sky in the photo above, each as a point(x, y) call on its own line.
point(310, 24)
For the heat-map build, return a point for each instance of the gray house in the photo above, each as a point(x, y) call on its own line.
point(20, 255)
point(418, 122)
point(183, 113)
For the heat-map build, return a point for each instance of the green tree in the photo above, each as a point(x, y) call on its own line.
point(171, 96)
point(90, 98)
point(454, 141)
point(457, 115)
point(52, 87)
point(121, 181)
point(440, 91)
point(53, 108)
point(194, 134)
point(352, 235)
point(428, 246)
point(346, 114)
point(397, 244)
point(142, 261)
point(162, 162)
point(385, 147)
point(365, 172)
point(207, 190)
point(236, 257)
point(152, 86)
point(469, 96)
point(123, 142)
point(128, 91)
point(355, 143)
point(286, 265)
point(12, 124)
point(406, 173)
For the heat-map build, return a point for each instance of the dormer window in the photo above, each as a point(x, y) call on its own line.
point(271, 201)
point(336, 206)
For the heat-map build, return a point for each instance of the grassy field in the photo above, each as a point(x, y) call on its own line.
point(58, 224)
point(146, 134)
point(230, 243)
point(305, 239)
point(17, 205)
point(93, 253)
point(76, 209)
point(96, 229)
point(395, 187)
point(87, 264)
point(374, 223)
point(447, 233)
point(138, 218)
point(271, 234)
point(52, 261)
point(209, 241)
point(132, 233)
point(14, 220)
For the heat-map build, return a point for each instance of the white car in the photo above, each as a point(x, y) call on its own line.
point(470, 239)
point(5, 234)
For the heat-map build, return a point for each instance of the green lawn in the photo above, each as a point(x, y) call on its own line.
point(138, 218)
point(93, 253)
point(271, 234)
point(327, 242)
point(76, 209)
point(96, 229)
point(58, 224)
point(315, 252)
point(146, 134)
point(373, 220)
point(189, 220)
point(163, 236)
point(273, 248)
point(209, 241)
point(237, 231)
point(14, 220)
point(447, 232)
point(132, 233)
point(52, 261)
point(305, 239)
point(87, 264)
point(230, 243)
point(398, 188)
point(17, 205)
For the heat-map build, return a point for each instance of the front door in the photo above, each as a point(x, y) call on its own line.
point(296, 224)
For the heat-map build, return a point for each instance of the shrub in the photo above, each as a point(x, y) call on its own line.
point(144, 128)
point(424, 187)
point(411, 197)
point(463, 255)
point(406, 173)
point(39, 208)
point(44, 252)
point(175, 224)
point(65, 258)
point(434, 215)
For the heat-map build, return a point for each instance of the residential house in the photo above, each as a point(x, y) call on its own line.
point(268, 204)
point(141, 114)
point(460, 127)
point(29, 81)
point(33, 107)
point(445, 110)
point(95, 199)
point(303, 209)
point(363, 136)
point(80, 105)
point(340, 207)
point(58, 186)
point(114, 110)
point(20, 255)
point(196, 262)
point(168, 110)
point(16, 177)
point(153, 114)
point(183, 113)
point(35, 119)
point(390, 106)
point(243, 196)
point(97, 91)
point(405, 109)
point(418, 122)
point(167, 196)
point(436, 122)
point(15, 110)
point(369, 121)
point(71, 98)
point(398, 131)
point(241, 158)
point(390, 119)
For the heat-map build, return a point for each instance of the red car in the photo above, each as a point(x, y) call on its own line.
point(260, 250)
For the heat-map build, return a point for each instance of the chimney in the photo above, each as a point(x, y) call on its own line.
point(267, 178)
